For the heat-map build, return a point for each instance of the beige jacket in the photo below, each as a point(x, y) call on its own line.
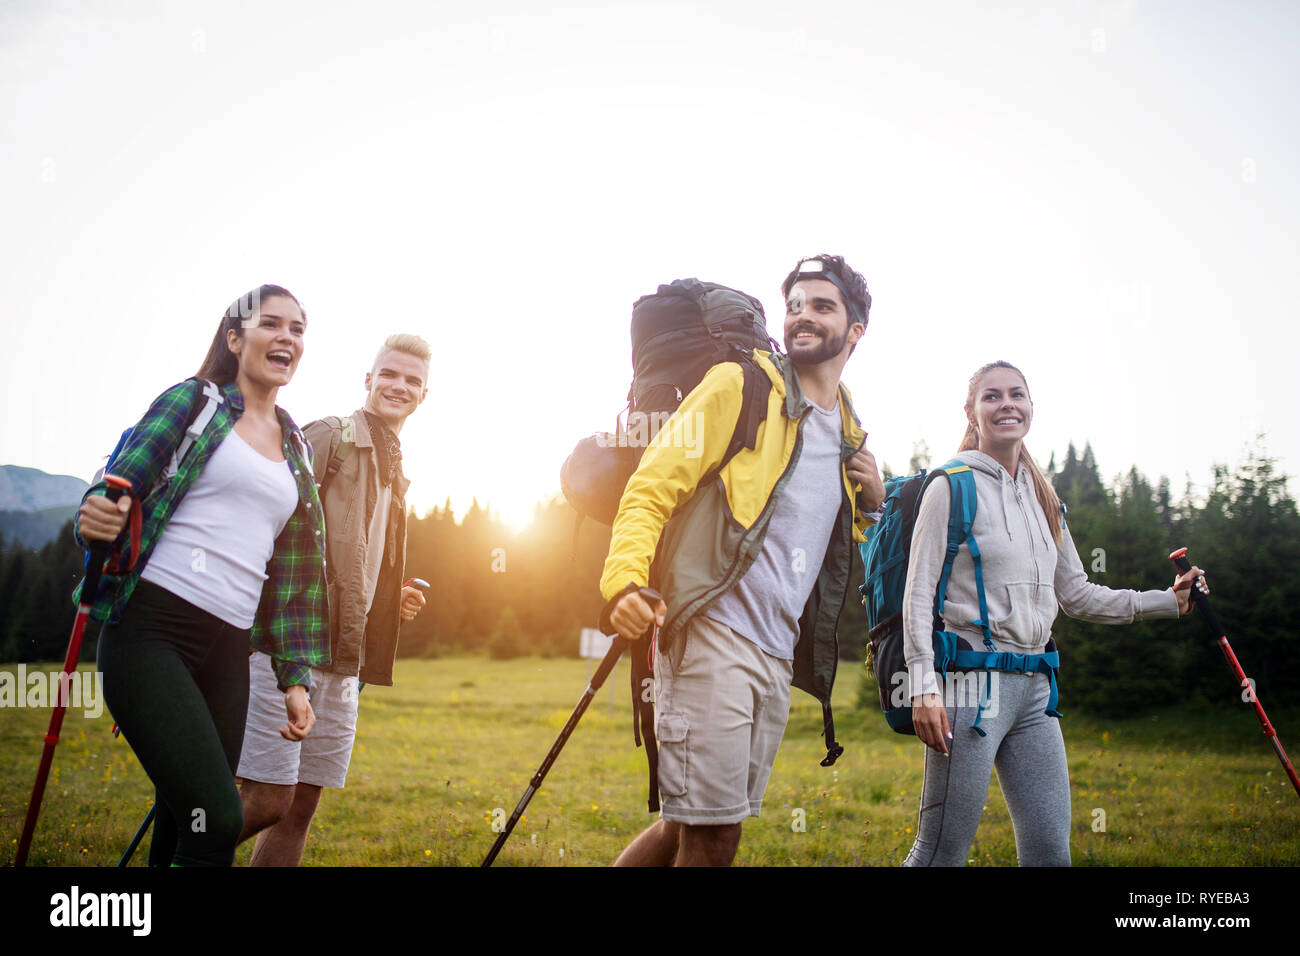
point(361, 644)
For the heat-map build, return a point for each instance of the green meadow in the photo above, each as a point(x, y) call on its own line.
point(453, 745)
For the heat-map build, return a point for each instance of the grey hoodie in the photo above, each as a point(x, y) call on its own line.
point(1026, 575)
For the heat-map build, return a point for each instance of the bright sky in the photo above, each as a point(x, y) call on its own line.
point(1105, 194)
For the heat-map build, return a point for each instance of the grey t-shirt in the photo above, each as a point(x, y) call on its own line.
point(375, 542)
point(765, 605)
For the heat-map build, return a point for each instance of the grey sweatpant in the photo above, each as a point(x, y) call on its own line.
point(1026, 747)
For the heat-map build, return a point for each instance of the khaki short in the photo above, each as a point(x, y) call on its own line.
point(721, 706)
point(322, 758)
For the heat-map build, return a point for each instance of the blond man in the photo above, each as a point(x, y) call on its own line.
point(357, 464)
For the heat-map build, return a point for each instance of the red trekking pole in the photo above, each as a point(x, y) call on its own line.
point(89, 588)
point(1179, 558)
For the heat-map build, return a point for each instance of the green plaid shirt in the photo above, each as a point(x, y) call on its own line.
point(292, 621)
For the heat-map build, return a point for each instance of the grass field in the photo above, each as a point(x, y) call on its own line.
point(458, 738)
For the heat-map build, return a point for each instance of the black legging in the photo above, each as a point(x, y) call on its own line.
point(176, 682)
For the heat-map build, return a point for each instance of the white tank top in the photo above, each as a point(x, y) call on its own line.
point(213, 553)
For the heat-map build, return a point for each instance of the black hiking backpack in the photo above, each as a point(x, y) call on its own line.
point(678, 334)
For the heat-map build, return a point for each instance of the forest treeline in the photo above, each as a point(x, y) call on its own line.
point(508, 592)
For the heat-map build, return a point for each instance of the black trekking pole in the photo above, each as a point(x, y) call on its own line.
point(89, 588)
point(139, 835)
point(144, 824)
point(1211, 619)
point(602, 672)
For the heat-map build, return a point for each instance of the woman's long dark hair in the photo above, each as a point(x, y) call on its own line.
point(222, 365)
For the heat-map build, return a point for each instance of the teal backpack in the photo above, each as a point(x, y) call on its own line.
point(885, 554)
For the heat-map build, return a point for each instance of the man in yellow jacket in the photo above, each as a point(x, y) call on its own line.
point(753, 564)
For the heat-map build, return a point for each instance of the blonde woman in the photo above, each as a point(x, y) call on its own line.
point(1030, 569)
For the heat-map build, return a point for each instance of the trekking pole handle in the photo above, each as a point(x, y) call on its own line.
point(1183, 565)
point(650, 596)
point(99, 549)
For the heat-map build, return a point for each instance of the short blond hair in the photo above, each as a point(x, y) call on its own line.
point(405, 342)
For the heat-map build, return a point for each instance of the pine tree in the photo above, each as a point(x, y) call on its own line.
point(920, 457)
point(1247, 538)
point(507, 640)
point(1115, 670)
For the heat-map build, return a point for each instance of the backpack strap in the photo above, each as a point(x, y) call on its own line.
point(198, 422)
point(833, 748)
point(643, 715)
point(199, 419)
point(753, 407)
point(961, 516)
point(347, 441)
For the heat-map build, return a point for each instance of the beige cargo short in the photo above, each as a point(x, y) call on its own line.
point(721, 706)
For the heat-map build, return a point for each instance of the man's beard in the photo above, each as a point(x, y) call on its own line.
point(827, 348)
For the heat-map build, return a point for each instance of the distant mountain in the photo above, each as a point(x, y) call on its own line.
point(34, 505)
point(34, 529)
point(30, 489)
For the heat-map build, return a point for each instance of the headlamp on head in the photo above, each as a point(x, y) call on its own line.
point(852, 287)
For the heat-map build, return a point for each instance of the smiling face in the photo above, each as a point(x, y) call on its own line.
point(396, 386)
point(817, 324)
point(1002, 410)
point(270, 344)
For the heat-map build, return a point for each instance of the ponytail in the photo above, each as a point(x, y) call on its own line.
point(1048, 499)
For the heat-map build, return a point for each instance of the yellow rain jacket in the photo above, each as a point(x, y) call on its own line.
point(703, 528)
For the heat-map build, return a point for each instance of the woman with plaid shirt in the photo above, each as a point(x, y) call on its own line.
point(231, 556)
